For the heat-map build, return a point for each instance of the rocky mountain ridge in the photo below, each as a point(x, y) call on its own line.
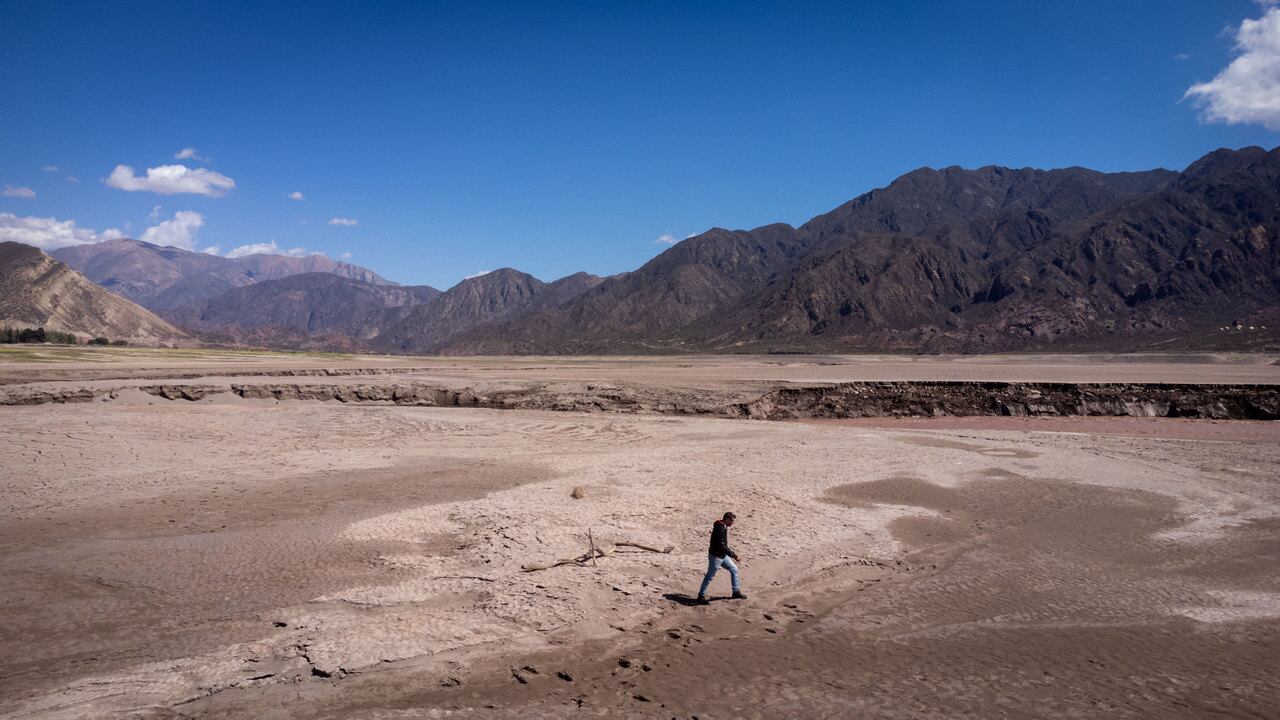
point(38, 291)
point(951, 260)
point(164, 278)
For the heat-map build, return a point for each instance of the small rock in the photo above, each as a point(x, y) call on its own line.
point(564, 676)
point(641, 698)
point(623, 662)
point(450, 682)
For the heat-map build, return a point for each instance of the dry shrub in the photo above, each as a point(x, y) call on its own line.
point(578, 493)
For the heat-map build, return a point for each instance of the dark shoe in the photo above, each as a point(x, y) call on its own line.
point(737, 595)
point(702, 600)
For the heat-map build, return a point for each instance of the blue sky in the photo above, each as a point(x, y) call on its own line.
point(556, 137)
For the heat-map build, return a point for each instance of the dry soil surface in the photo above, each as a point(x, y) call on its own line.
point(260, 559)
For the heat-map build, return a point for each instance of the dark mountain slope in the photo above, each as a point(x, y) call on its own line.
point(306, 304)
point(644, 308)
point(1198, 252)
point(474, 302)
point(925, 200)
point(695, 295)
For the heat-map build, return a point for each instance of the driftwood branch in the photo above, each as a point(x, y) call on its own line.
point(663, 551)
point(593, 553)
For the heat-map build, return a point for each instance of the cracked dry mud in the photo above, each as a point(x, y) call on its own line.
point(170, 558)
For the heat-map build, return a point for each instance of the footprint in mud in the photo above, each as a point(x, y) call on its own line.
point(923, 441)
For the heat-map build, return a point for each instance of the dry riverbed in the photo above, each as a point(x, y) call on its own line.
point(255, 558)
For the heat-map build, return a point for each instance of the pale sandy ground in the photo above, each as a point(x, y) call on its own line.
point(233, 558)
point(713, 372)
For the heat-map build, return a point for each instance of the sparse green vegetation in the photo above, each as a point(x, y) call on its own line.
point(9, 335)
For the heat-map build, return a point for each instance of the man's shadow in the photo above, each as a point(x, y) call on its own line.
point(682, 599)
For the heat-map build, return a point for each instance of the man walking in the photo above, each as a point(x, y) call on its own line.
point(720, 555)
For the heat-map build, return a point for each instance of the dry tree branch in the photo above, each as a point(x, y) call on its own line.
point(594, 553)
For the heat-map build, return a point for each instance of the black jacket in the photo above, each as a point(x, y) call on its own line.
point(720, 541)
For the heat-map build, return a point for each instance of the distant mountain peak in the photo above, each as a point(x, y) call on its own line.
point(163, 277)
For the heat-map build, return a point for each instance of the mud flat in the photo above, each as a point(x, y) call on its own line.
point(267, 558)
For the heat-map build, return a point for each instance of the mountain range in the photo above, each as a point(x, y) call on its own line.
point(311, 310)
point(952, 260)
point(162, 278)
point(948, 260)
point(38, 291)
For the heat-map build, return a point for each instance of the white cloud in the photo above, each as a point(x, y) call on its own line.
point(666, 238)
point(212, 250)
point(348, 222)
point(180, 232)
point(1247, 90)
point(73, 179)
point(254, 249)
point(154, 215)
point(270, 248)
point(25, 193)
point(345, 256)
point(171, 180)
point(49, 233)
point(190, 153)
point(50, 168)
point(1181, 56)
point(476, 275)
point(296, 195)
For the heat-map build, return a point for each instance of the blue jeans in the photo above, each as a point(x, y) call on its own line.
point(715, 563)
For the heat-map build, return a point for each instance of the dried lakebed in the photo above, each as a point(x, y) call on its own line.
point(240, 551)
point(303, 559)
